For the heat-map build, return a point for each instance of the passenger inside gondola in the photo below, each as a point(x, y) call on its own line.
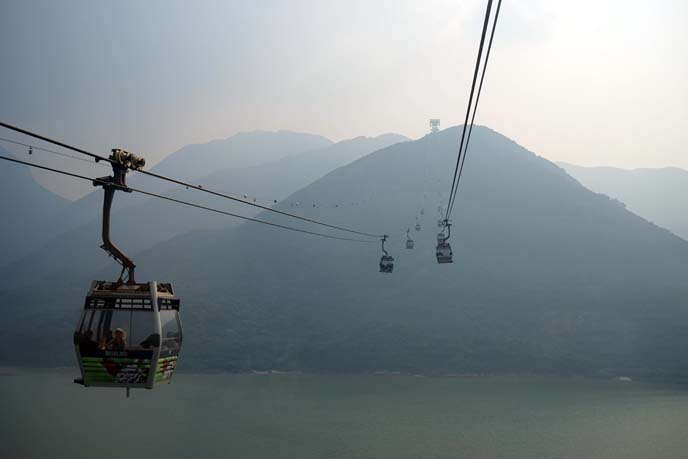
point(119, 342)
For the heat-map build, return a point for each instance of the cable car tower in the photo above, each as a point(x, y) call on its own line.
point(129, 334)
point(434, 125)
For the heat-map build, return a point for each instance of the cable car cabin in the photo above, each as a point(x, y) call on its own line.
point(443, 252)
point(409, 243)
point(417, 226)
point(128, 336)
point(386, 264)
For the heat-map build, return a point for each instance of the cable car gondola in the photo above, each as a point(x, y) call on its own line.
point(417, 226)
point(130, 333)
point(386, 261)
point(443, 251)
point(409, 240)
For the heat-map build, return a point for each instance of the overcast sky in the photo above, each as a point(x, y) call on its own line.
point(591, 82)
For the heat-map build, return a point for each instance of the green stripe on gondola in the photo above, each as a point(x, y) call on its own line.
point(121, 364)
point(114, 359)
point(120, 361)
point(98, 371)
point(132, 365)
point(104, 373)
point(165, 368)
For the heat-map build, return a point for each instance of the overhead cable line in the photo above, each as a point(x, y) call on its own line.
point(33, 147)
point(477, 99)
point(468, 108)
point(47, 150)
point(189, 185)
point(179, 201)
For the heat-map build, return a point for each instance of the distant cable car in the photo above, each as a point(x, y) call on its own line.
point(387, 261)
point(129, 334)
point(417, 226)
point(409, 240)
point(443, 251)
point(422, 211)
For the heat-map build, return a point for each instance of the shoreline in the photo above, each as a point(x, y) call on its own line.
point(602, 376)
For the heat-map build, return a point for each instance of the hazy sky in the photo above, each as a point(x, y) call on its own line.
point(591, 82)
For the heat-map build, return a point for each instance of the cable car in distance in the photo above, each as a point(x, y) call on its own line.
point(443, 251)
point(409, 240)
point(417, 226)
point(386, 261)
point(129, 334)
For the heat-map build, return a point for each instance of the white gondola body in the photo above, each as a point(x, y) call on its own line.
point(146, 316)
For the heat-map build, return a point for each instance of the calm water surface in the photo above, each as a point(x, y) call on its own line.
point(44, 415)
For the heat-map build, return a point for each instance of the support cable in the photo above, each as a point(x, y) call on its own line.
point(179, 201)
point(99, 158)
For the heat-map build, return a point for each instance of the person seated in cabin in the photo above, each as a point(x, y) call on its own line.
point(119, 342)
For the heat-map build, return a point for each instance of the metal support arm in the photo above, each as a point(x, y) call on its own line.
point(122, 162)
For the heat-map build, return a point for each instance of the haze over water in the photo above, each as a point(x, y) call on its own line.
point(366, 416)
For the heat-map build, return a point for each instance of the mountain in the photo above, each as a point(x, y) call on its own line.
point(246, 149)
point(26, 208)
point(658, 195)
point(150, 221)
point(189, 163)
point(548, 277)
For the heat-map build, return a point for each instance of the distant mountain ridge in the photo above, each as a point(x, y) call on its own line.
point(548, 277)
point(245, 149)
point(659, 195)
point(139, 225)
point(189, 163)
point(26, 208)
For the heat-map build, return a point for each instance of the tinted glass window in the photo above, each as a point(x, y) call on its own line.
point(171, 331)
point(142, 334)
point(88, 337)
point(115, 330)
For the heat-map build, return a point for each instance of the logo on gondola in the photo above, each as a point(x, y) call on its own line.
point(125, 373)
point(131, 375)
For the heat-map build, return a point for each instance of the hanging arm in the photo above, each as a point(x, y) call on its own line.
point(122, 161)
